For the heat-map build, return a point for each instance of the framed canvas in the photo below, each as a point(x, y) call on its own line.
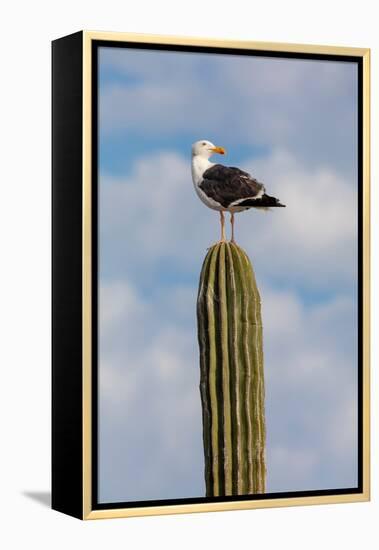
point(210, 275)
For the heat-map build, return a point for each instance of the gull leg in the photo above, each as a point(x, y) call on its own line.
point(223, 236)
point(232, 224)
point(222, 220)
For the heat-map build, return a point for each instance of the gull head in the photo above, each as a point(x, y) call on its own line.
point(206, 149)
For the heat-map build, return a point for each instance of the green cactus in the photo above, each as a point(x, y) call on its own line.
point(232, 377)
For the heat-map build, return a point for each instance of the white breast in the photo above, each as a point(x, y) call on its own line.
point(199, 166)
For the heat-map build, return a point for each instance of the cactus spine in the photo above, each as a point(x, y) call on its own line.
point(232, 378)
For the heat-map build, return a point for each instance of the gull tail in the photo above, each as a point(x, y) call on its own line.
point(265, 201)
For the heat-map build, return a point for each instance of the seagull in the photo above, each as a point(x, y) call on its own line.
point(226, 188)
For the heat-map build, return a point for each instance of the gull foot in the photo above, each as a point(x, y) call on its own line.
point(217, 242)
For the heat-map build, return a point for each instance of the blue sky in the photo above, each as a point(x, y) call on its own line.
point(293, 125)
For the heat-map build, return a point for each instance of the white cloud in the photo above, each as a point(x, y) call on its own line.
point(314, 237)
point(149, 401)
point(311, 397)
point(153, 216)
point(308, 107)
point(150, 413)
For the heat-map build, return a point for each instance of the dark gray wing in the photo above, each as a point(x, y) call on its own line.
point(227, 184)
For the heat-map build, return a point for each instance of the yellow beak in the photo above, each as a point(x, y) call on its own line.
point(219, 150)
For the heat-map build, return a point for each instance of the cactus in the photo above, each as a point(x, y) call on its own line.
point(231, 373)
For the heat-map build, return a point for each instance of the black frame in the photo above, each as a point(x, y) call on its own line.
point(67, 163)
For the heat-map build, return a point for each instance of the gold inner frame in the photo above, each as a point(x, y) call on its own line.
point(88, 512)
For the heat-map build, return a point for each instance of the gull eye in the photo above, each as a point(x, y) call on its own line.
point(203, 143)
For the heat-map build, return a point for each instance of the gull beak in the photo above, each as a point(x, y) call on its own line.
point(219, 150)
